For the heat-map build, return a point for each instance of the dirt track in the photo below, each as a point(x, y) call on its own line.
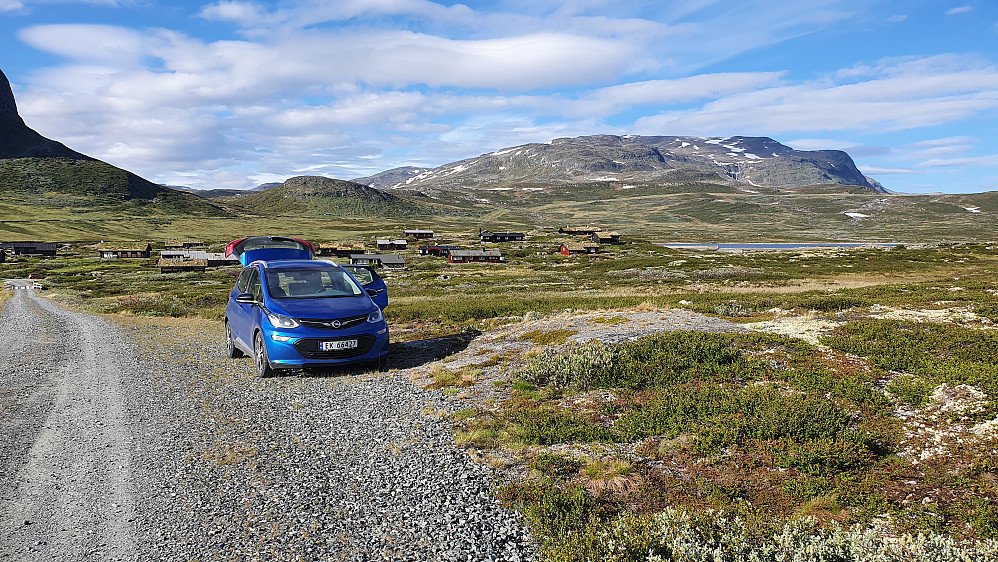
point(65, 459)
point(139, 440)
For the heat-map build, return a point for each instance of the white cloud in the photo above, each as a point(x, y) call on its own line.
point(916, 95)
point(948, 141)
point(958, 10)
point(610, 100)
point(991, 160)
point(383, 58)
point(897, 18)
point(90, 43)
point(820, 144)
point(880, 171)
point(11, 5)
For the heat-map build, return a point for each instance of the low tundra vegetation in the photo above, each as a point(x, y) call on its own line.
point(680, 444)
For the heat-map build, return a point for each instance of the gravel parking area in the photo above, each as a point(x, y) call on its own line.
point(184, 455)
point(136, 439)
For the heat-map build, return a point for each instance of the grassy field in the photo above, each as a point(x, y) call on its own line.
point(617, 451)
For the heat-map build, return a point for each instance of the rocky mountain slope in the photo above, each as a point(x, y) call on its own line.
point(38, 171)
point(639, 160)
point(392, 179)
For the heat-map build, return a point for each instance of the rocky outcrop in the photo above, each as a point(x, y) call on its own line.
point(17, 140)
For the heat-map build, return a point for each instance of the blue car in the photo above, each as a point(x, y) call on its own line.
point(294, 313)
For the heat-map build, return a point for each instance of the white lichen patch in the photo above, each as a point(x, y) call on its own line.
point(943, 425)
point(807, 328)
point(953, 315)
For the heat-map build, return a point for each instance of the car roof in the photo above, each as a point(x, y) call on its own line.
point(235, 247)
point(296, 264)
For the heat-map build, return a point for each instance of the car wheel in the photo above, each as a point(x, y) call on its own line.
point(231, 351)
point(263, 368)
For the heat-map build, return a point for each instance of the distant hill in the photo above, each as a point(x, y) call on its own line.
point(317, 195)
point(396, 178)
point(643, 160)
point(37, 171)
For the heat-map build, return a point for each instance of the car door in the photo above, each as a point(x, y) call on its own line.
point(370, 279)
point(242, 315)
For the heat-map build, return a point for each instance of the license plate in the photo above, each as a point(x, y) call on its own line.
point(337, 345)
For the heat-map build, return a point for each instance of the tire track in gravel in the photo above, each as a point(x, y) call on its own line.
point(66, 456)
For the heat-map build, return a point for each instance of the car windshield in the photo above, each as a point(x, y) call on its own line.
point(307, 283)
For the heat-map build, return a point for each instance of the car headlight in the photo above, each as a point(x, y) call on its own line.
point(278, 321)
point(375, 316)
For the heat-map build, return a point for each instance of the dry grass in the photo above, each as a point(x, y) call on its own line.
point(444, 377)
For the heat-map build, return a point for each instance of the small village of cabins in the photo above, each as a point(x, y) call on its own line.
point(191, 255)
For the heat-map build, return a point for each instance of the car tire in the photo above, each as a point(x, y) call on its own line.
point(231, 351)
point(260, 358)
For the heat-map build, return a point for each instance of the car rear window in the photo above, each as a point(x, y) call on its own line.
point(271, 243)
point(310, 283)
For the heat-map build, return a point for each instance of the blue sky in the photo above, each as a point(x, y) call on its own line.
point(233, 94)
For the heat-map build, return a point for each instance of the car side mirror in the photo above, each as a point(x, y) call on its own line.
point(245, 298)
point(372, 292)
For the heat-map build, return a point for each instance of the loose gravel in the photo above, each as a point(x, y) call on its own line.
point(65, 465)
point(135, 439)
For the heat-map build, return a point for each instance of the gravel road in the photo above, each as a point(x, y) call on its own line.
point(65, 462)
point(136, 440)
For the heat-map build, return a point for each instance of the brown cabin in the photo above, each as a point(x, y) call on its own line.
point(570, 248)
point(470, 256)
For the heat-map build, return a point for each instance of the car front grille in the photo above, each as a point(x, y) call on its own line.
point(309, 347)
point(333, 324)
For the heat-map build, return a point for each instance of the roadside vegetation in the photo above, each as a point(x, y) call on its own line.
point(876, 440)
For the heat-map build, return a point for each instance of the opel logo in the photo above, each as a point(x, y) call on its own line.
point(335, 324)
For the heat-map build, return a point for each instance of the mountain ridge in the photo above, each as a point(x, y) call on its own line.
point(737, 160)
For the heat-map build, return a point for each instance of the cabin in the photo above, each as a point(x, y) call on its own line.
point(340, 250)
point(392, 245)
point(30, 248)
point(176, 244)
point(417, 234)
point(487, 236)
point(211, 259)
point(606, 237)
point(570, 248)
point(181, 265)
point(580, 230)
point(470, 256)
point(439, 250)
point(118, 251)
point(388, 261)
